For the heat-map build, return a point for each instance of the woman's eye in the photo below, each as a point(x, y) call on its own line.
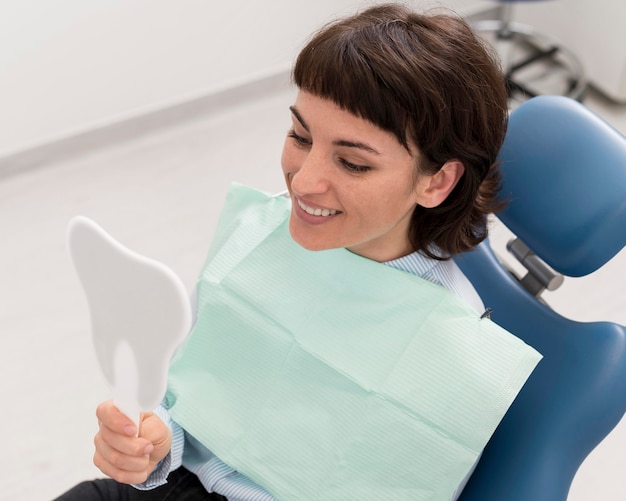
point(353, 167)
point(300, 141)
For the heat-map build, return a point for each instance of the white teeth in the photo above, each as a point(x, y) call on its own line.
point(318, 211)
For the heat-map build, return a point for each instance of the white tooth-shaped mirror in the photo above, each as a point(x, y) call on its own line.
point(139, 310)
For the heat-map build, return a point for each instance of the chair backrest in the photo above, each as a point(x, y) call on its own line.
point(564, 173)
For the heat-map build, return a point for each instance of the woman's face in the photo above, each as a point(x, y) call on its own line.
point(352, 184)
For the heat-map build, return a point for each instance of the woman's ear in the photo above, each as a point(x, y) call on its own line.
point(432, 190)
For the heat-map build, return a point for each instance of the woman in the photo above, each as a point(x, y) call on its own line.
point(390, 155)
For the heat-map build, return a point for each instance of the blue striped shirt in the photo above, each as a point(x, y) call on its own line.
point(218, 477)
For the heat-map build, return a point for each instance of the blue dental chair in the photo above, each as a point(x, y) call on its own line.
point(564, 173)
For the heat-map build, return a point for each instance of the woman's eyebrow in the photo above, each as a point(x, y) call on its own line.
point(354, 144)
point(299, 118)
point(338, 142)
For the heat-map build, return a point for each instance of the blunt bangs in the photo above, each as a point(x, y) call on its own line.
point(337, 67)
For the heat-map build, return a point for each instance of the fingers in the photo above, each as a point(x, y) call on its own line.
point(119, 466)
point(119, 454)
point(109, 415)
point(125, 445)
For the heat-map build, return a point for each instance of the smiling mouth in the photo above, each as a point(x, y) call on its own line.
point(316, 211)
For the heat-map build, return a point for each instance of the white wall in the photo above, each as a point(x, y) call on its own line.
point(67, 66)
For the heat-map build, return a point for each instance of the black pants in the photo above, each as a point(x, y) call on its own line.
point(182, 485)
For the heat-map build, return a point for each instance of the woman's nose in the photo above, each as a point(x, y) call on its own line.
point(312, 175)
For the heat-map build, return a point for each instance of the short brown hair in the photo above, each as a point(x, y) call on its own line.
point(429, 80)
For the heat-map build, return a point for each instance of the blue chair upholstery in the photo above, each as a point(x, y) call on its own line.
point(564, 173)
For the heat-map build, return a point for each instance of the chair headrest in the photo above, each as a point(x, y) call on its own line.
point(564, 172)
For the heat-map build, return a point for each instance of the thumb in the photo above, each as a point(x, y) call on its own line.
point(152, 428)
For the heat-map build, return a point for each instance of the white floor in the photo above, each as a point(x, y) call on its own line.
point(160, 195)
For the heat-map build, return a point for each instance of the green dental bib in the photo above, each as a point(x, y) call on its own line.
point(328, 376)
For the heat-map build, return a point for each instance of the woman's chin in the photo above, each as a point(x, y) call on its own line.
point(307, 241)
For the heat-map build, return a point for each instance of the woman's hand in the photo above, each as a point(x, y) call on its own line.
point(121, 454)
